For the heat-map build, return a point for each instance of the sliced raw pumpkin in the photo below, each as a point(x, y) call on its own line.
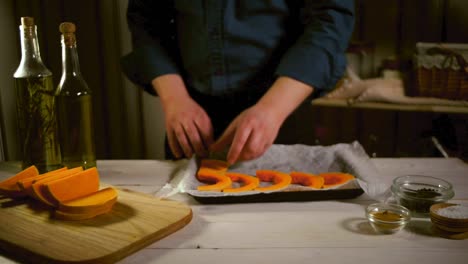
point(218, 165)
point(248, 182)
point(81, 216)
point(220, 180)
point(74, 192)
point(72, 187)
point(9, 187)
point(334, 179)
point(91, 203)
point(279, 179)
point(307, 179)
point(25, 184)
point(38, 190)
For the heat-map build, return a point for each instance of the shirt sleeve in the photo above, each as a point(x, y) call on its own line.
point(151, 24)
point(318, 57)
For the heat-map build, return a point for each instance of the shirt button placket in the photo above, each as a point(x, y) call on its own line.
point(215, 44)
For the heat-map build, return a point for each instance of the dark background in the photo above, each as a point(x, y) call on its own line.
point(129, 123)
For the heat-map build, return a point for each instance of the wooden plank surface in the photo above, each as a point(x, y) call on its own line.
point(292, 232)
point(29, 233)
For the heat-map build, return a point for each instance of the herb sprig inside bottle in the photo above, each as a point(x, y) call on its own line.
point(35, 104)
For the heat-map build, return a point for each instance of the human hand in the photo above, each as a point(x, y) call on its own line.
point(254, 130)
point(188, 126)
point(250, 134)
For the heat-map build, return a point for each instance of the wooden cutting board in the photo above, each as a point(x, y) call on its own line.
point(28, 233)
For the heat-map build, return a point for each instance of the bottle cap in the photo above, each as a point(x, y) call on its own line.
point(67, 27)
point(27, 21)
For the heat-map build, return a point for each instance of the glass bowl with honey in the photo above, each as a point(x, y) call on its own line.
point(387, 218)
point(418, 193)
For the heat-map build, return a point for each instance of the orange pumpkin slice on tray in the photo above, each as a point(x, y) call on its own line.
point(9, 187)
point(279, 179)
point(335, 179)
point(248, 182)
point(218, 180)
point(307, 179)
point(213, 164)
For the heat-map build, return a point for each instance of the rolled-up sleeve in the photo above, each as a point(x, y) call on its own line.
point(318, 56)
point(152, 29)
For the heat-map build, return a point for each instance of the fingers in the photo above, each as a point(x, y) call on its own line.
point(183, 141)
point(205, 131)
point(174, 144)
point(193, 137)
point(200, 134)
point(249, 135)
point(255, 146)
point(238, 144)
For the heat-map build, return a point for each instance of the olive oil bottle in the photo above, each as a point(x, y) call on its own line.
point(74, 106)
point(35, 104)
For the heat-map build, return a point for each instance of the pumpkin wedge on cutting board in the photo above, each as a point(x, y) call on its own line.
point(10, 188)
point(126, 220)
point(73, 193)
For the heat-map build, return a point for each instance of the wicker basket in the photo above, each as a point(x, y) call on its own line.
point(442, 71)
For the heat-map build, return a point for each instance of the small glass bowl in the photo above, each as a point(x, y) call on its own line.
point(418, 193)
point(387, 218)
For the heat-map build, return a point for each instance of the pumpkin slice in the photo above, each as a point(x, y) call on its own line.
point(91, 203)
point(9, 187)
point(38, 190)
point(307, 179)
point(74, 186)
point(25, 184)
point(220, 180)
point(218, 165)
point(280, 180)
point(335, 179)
point(249, 182)
point(81, 216)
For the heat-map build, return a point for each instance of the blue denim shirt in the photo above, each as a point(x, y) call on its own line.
point(227, 46)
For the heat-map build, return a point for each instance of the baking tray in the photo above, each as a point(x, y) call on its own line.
point(346, 158)
point(286, 196)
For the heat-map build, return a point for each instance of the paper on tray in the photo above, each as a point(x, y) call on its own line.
point(349, 158)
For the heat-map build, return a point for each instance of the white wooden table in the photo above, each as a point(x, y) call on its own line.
point(292, 232)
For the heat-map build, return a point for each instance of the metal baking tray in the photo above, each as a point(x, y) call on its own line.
point(283, 196)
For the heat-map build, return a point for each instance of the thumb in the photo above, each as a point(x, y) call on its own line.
point(225, 139)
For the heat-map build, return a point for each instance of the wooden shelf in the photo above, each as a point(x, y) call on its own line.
point(389, 106)
point(384, 129)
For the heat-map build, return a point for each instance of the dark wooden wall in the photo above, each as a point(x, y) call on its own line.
point(394, 26)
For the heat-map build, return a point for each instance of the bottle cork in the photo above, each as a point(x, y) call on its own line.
point(67, 27)
point(27, 21)
point(68, 33)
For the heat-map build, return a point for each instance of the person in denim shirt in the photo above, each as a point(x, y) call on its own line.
point(234, 70)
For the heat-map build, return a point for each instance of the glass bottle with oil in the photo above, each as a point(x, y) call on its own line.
point(35, 104)
point(74, 106)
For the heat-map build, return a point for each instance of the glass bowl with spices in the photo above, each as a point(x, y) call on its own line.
point(387, 218)
point(418, 193)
